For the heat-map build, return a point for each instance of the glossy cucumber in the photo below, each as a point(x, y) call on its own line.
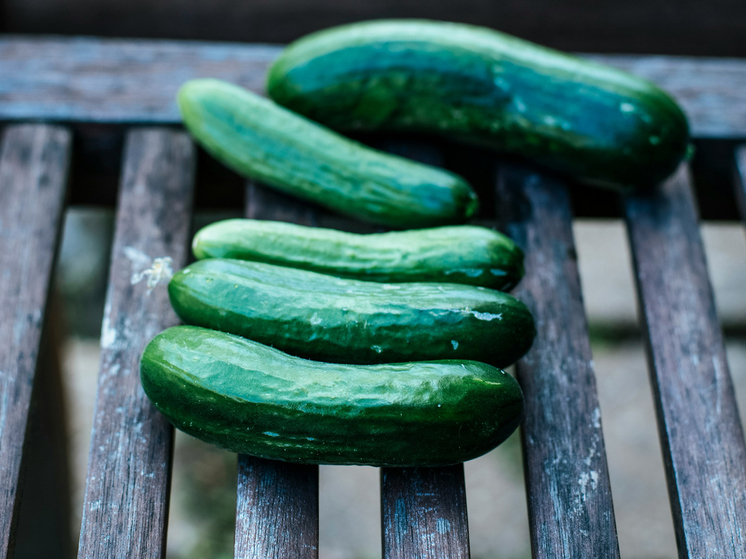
point(591, 122)
point(457, 254)
point(351, 321)
point(252, 399)
point(261, 140)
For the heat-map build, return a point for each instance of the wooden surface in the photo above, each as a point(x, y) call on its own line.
point(116, 81)
point(739, 180)
point(93, 80)
point(423, 513)
point(701, 435)
point(277, 508)
point(129, 465)
point(33, 176)
point(569, 496)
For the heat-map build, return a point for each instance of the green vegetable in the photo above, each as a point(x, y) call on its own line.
point(252, 399)
point(458, 254)
point(351, 321)
point(588, 121)
point(266, 142)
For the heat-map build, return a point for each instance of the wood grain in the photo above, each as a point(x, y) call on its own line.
point(33, 177)
point(698, 422)
point(122, 81)
point(135, 81)
point(739, 180)
point(277, 508)
point(129, 465)
point(423, 513)
point(571, 514)
point(423, 510)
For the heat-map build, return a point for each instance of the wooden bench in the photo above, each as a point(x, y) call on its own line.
point(63, 96)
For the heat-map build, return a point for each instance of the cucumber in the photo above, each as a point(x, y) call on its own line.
point(263, 141)
point(351, 321)
point(252, 399)
point(457, 254)
point(588, 121)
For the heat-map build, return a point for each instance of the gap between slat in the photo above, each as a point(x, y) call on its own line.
point(740, 180)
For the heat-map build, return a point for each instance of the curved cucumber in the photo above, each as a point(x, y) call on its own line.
point(594, 123)
point(264, 141)
point(458, 254)
point(351, 321)
point(252, 399)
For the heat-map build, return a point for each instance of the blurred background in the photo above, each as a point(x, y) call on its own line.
point(714, 27)
point(203, 496)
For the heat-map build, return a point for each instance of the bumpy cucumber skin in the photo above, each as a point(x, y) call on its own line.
point(465, 254)
point(350, 321)
point(266, 142)
point(591, 122)
point(252, 399)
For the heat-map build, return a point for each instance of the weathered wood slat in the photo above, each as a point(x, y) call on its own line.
point(423, 510)
point(277, 509)
point(423, 513)
point(117, 81)
point(698, 422)
point(569, 496)
point(34, 163)
point(740, 180)
point(122, 81)
point(129, 465)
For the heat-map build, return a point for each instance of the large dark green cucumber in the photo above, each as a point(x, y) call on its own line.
point(458, 254)
point(252, 399)
point(264, 141)
point(350, 321)
point(594, 123)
